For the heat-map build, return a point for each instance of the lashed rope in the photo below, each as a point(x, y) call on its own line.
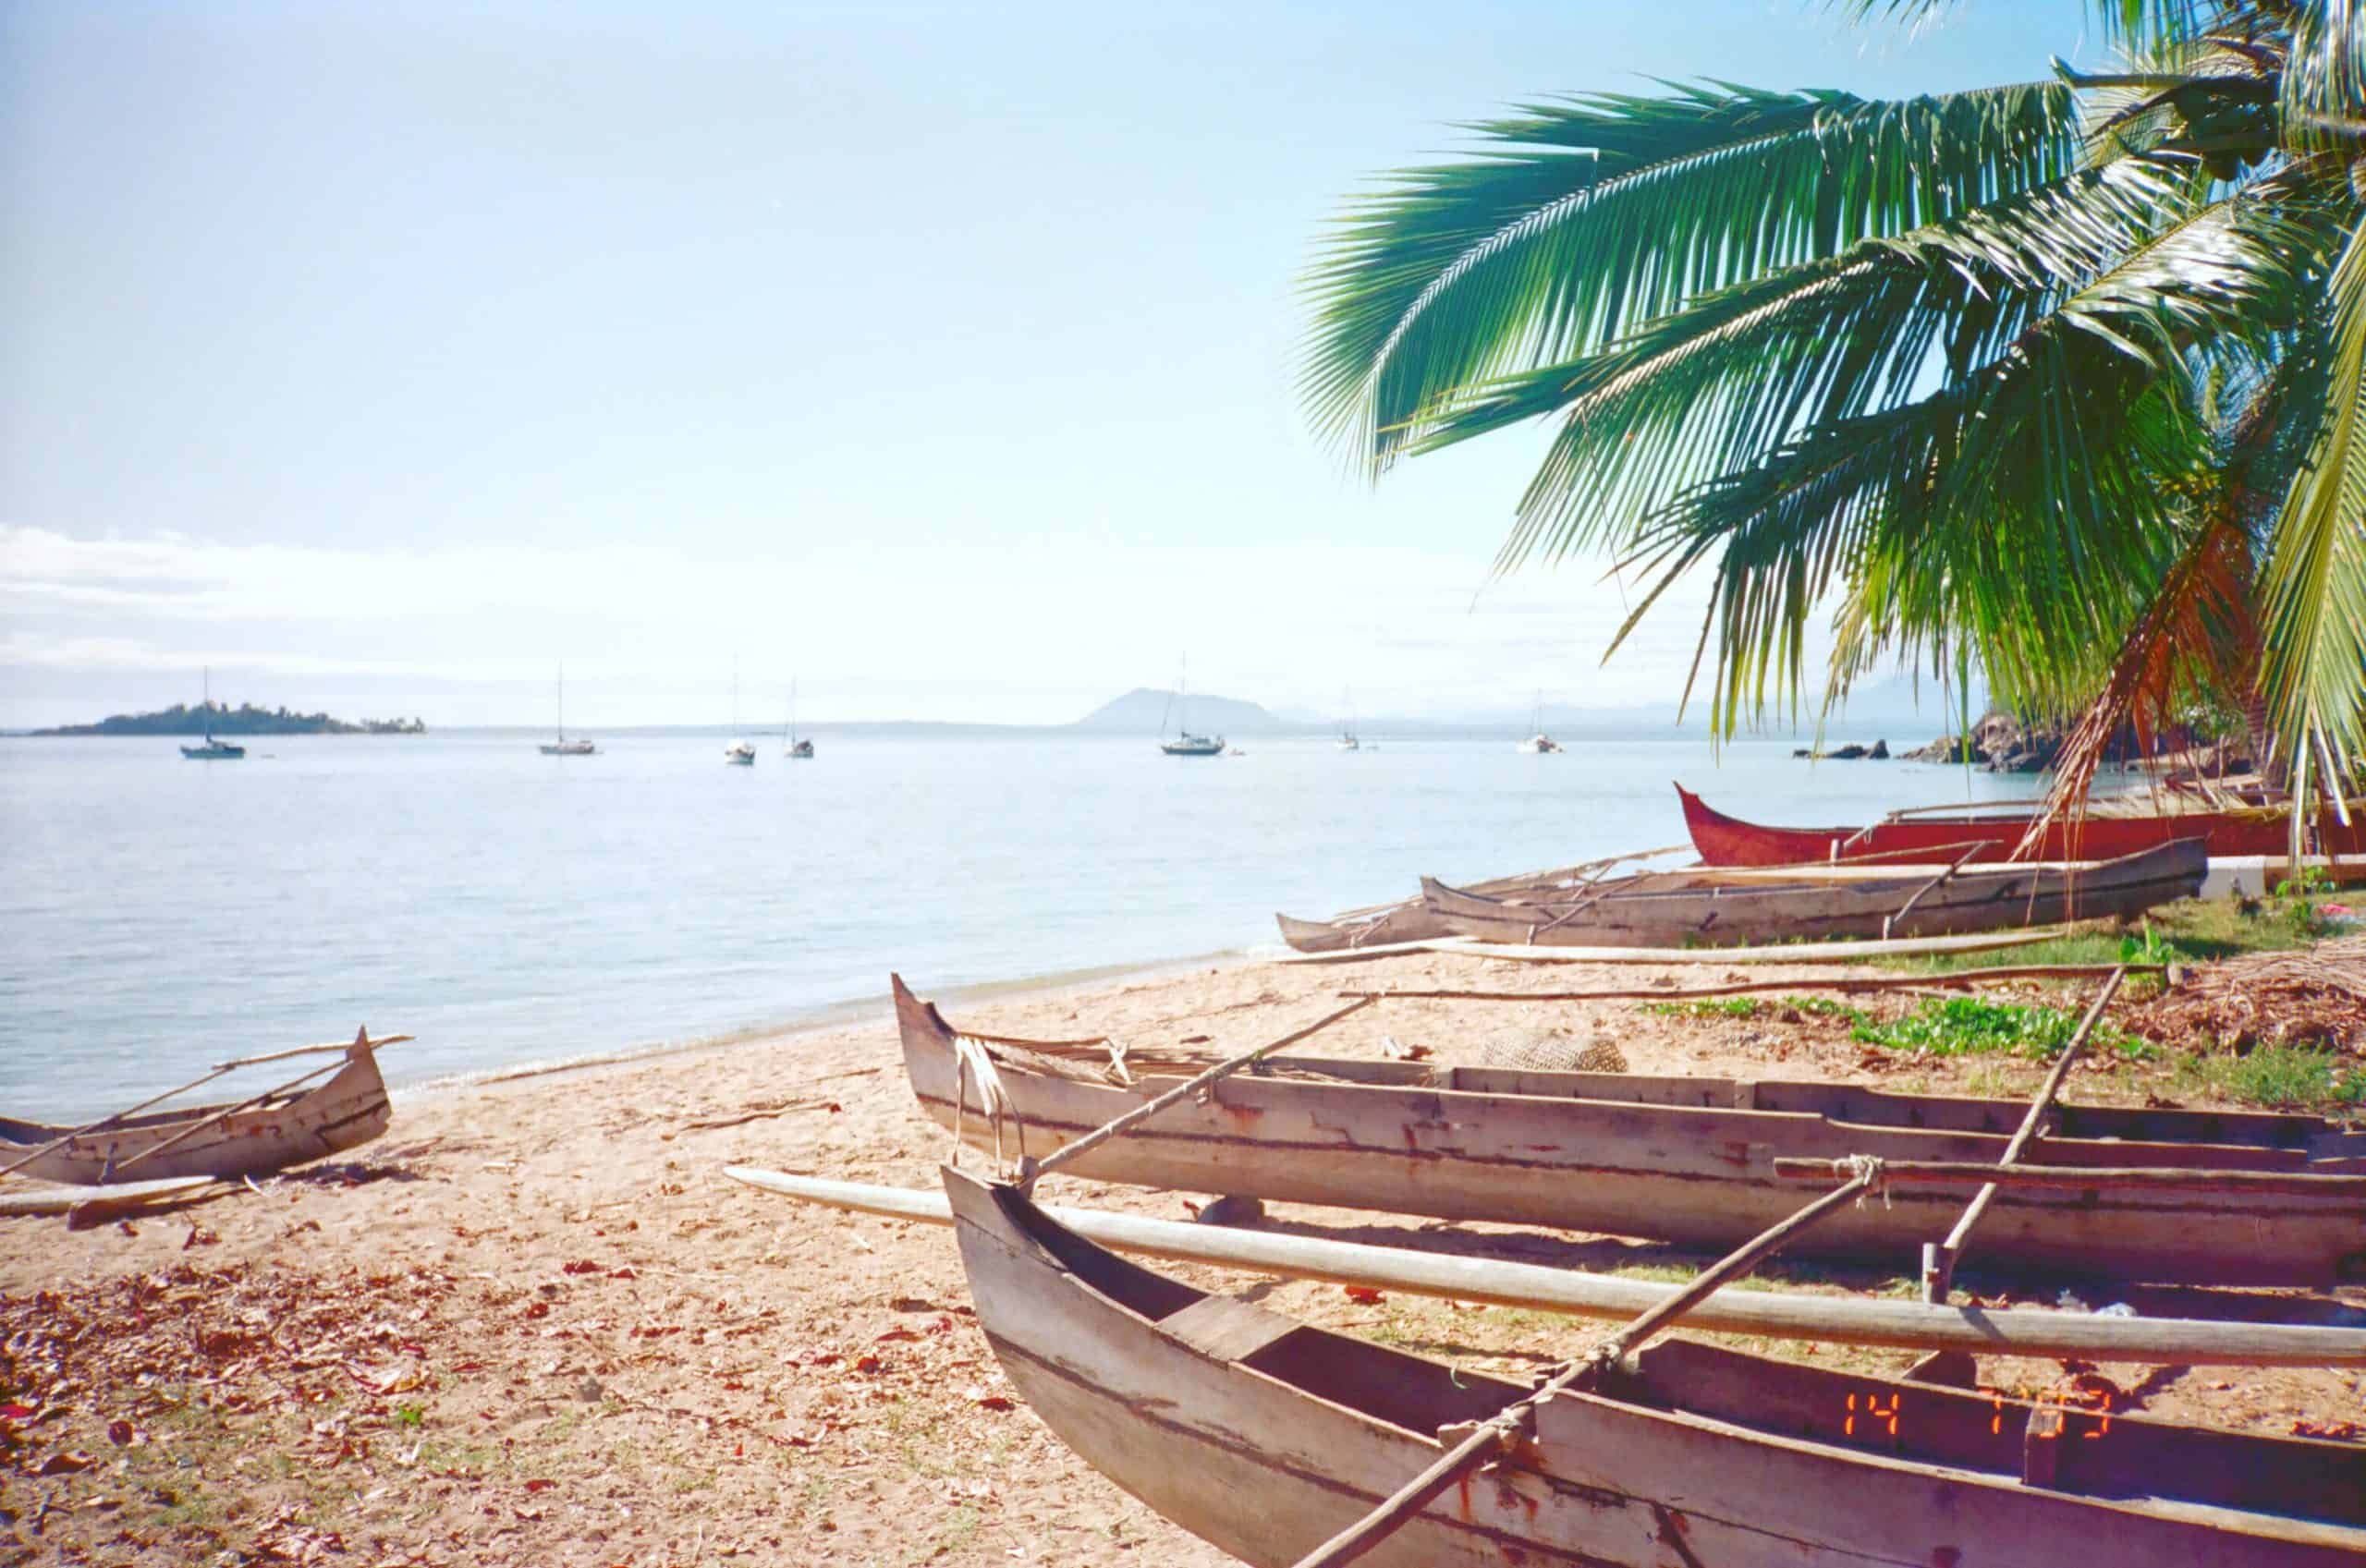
point(974, 1062)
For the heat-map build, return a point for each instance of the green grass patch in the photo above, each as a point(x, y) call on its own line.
point(1707, 1007)
point(2185, 931)
point(1970, 1025)
point(1754, 1007)
point(2284, 1077)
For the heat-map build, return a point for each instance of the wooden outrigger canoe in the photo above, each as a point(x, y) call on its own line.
point(2105, 829)
point(1810, 902)
point(1689, 1160)
point(1408, 920)
point(239, 1139)
point(1265, 1437)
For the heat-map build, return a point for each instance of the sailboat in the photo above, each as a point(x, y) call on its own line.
point(798, 750)
point(1348, 741)
point(1539, 744)
point(212, 751)
point(563, 747)
point(740, 753)
point(1185, 743)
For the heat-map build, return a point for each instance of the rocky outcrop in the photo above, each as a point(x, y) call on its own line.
point(2000, 743)
point(1877, 752)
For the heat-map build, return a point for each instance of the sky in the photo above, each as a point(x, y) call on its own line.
point(381, 357)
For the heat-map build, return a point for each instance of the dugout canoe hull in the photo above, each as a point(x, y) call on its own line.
point(1266, 1437)
point(1810, 903)
point(1687, 1161)
point(346, 1111)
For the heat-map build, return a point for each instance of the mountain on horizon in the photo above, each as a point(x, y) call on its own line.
point(1145, 711)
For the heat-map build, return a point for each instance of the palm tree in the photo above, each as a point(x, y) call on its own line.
point(2063, 381)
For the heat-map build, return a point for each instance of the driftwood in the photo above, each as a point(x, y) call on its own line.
point(1499, 1432)
point(1744, 987)
point(1836, 1320)
point(63, 1198)
point(1961, 1173)
point(1939, 1260)
point(762, 1114)
point(107, 1204)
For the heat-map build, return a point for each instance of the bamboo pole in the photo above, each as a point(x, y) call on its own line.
point(229, 1110)
point(105, 1121)
point(378, 1044)
point(1743, 988)
point(1031, 1169)
point(1939, 1258)
point(1897, 1325)
point(1890, 920)
point(2168, 1178)
point(1501, 1430)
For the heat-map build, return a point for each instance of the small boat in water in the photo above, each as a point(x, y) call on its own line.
point(212, 751)
point(563, 747)
point(1268, 1437)
point(1726, 907)
point(1185, 743)
point(2107, 827)
point(1539, 744)
point(269, 1132)
point(796, 750)
point(740, 753)
point(1682, 1159)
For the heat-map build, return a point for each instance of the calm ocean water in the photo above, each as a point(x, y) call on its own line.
point(508, 907)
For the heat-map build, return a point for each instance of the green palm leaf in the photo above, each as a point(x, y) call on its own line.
point(2313, 582)
point(1585, 218)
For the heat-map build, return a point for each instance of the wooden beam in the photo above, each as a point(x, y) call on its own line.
point(1031, 1169)
point(1843, 1319)
point(1500, 1431)
point(1966, 1172)
point(378, 1044)
point(1744, 987)
point(1939, 1258)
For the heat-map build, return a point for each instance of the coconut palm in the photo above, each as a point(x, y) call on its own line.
point(2064, 381)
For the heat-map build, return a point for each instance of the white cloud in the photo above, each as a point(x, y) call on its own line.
point(1025, 632)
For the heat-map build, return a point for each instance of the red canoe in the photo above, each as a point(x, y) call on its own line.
point(1942, 836)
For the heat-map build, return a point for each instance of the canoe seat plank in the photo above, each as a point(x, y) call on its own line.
point(1227, 1328)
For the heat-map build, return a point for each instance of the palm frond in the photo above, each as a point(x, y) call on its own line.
point(1581, 219)
point(2312, 584)
point(1710, 388)
point(2021, 505)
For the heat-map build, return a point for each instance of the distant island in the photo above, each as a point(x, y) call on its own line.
point(1145, 711)
point(215, 718)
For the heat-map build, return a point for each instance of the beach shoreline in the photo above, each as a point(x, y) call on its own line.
point(535, 1324)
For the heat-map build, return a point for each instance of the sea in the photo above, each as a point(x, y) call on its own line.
point(513, 910)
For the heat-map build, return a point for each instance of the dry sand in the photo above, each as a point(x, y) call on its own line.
point(535, 1324)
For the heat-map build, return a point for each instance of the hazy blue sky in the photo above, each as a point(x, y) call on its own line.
point(381, 355)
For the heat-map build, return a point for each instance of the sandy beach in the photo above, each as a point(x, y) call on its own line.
point(535, 1324)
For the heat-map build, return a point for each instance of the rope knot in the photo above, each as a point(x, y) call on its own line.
point(1868, 1168)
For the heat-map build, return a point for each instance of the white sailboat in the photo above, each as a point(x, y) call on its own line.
point(563, 747)
point(1185, 743)
point(212, 751)
point(1348, 741)
point(1539, 744)
point(798, 750)
point(740, 753)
